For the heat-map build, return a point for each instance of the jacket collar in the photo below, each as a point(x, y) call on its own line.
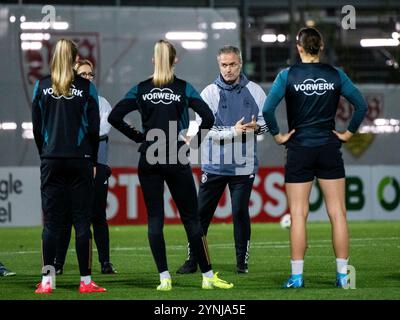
point(238, 86)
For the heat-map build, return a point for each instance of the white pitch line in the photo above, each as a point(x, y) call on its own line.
point(254, 245)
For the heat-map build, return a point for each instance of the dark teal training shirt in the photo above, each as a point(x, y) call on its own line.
point(312, 92)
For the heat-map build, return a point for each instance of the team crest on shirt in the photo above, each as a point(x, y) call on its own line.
point(314, 87)
point(35, 61)
point(361, 140)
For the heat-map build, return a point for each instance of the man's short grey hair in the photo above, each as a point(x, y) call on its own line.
point(230, 49)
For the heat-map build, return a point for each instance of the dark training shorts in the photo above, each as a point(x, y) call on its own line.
point(305, 163)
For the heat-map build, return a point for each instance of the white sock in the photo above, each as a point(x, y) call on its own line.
point(46, 279)
point(208, 274)
point(165, 275)
point(341, 265)
point(86, 279)
point(297, 266)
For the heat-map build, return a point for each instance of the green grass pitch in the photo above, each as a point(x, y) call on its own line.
point(375, 253)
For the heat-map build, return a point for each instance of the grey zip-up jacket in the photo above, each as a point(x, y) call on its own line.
point(224, 152)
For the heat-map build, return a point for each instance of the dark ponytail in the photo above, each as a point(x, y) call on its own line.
point(310, 39)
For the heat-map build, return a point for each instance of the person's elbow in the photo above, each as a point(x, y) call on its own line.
point(264, 114)
point(93, 130)
point(267, 113)
point(113, 119)
point(360, 110)
point(207, 121)
point(364, 109)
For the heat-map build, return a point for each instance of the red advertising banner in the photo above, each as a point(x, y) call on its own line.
point(126, 204)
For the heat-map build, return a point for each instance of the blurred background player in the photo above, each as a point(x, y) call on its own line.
point(159, 113)
point(312, 91)
point(84, 68)
point(4, 272)
point(237, 105)
point(65, 117)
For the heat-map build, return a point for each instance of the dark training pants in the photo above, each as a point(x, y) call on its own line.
point(98, 218)
point(66, 188)
point(210, 192)
point(180, 182)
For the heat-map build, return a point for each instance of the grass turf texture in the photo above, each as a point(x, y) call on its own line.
point(375, 253)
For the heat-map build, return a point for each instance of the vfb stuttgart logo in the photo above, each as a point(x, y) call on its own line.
point(35, 64)
point(360, 142)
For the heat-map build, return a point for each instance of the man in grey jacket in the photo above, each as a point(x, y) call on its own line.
point(228, 153)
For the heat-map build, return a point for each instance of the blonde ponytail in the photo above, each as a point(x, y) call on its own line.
point(164, 58)
point(62, 67)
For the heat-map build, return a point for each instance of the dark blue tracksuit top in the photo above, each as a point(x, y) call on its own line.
point(66, 126)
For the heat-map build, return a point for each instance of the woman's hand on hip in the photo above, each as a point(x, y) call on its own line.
point(343, 136)
point(282, 138)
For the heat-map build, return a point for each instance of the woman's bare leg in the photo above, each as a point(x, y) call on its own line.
point(298, 200)
point(334, 195)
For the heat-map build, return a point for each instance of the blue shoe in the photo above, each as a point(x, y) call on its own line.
point(295, 281)
point(342, 280)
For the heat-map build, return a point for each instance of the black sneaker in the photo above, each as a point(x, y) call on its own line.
point(242, 269)
point(59, 269)
point(108, 268)
point(190, 266)
point(4, 272)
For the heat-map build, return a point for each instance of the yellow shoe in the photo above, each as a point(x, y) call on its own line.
point(215, 282)
point(165, 285)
